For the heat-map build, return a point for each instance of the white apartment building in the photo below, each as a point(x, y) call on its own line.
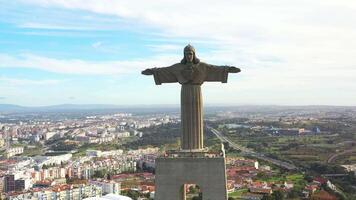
point(108, 187)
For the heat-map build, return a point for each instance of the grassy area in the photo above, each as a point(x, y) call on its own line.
point(274, 179)
point(33, 150)
point(353, 158)
point(299, 149)
point(309, 152)
point(237, 193)
point(295, 178)
point(346, 159)
point(2, 152)
point(114, 145)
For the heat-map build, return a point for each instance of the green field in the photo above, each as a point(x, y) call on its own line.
point(237, 193)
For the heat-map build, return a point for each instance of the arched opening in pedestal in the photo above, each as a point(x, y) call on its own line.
point(191, 192)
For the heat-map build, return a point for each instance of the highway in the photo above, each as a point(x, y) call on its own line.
point(249, 152)
point(333, 157)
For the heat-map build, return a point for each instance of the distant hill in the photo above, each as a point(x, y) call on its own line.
point(78, 107)
point(10, 108)
point(64, 107)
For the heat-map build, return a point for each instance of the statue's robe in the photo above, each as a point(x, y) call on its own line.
point(191, 76)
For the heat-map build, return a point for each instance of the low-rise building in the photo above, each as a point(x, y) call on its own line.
point(70, 192)
point(9, 183)
point(14, 151)
point(108, 187)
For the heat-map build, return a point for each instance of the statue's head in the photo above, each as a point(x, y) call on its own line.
point(189, 55)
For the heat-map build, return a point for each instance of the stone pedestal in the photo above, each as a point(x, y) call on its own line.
point(208, 173)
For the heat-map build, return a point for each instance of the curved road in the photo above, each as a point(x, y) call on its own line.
point(333, 157)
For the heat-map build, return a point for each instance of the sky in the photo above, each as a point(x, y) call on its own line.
point(92, 51)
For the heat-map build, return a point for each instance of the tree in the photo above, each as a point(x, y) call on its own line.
point(308, 178)
point(100, 173)
point(294, 193)
point(262, 175)
point(192, 190)
point(277, 195)
point(131, 193)
point(266, 197)
point(67, 178)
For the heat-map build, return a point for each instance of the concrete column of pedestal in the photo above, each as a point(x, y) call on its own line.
point(208, 173)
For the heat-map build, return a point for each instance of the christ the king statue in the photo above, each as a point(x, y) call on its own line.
point(191, 74)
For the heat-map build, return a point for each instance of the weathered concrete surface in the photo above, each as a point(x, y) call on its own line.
point(208, 173)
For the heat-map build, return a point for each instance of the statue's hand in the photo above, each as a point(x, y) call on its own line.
point(233, 70)
point(147, 72)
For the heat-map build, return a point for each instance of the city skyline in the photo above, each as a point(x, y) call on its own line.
point(91, 52)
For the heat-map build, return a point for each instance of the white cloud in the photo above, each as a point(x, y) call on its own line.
point(164, 48)
point(201, 18)
point(97, 44)
point(299, 32)
point(28, 82)
point(82, 67)
point(54, 27)
point(283, 47)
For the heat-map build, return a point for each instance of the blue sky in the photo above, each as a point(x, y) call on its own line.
point(92, 51)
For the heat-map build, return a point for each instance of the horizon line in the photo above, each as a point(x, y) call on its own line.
point(177, 105)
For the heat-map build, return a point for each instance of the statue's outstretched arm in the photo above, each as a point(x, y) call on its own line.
point(232, 69)
point(162, 74)
point(229, 69)
point(219, 73)
point(147, 72)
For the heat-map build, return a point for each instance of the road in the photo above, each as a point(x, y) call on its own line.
point(249, 152)
point(333, 157)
